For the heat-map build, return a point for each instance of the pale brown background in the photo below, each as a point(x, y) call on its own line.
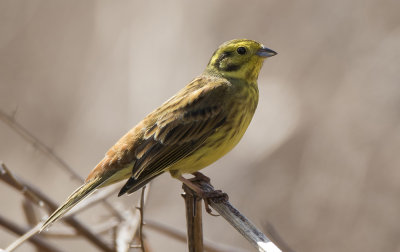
point(320, 160)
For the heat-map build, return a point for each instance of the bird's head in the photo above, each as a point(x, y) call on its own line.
point(239, 58)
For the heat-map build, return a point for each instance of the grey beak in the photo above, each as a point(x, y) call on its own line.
point(265, 52)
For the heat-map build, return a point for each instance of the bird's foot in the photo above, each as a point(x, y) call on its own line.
point(200, 177)
point(217, 196)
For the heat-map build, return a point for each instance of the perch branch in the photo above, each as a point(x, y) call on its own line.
point(247, 229)
point(193, 220)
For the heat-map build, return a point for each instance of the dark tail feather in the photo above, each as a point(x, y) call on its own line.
point(132, 185)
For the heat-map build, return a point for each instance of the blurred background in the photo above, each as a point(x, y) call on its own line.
point(319, 161)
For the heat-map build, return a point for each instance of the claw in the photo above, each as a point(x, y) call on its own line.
point(200, 177)
point(216, 196)
point(208, 209)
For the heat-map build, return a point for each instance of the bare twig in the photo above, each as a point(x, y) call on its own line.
point(42, 200)
point(247, 229)
point(141, 211)
point(23, 238)
point(126, 230)
point(30, 212)
point(64, 232)
point(37, 241)
point(193, 220)
point(29, 137)
point(11, 180)
point(128, 227)
point(140, 246)
point(146, 244)
point(166, 230)
point(47, 151)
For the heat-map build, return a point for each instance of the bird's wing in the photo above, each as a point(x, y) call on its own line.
point(183, 124)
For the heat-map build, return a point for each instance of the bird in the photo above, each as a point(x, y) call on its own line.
point(188, 132)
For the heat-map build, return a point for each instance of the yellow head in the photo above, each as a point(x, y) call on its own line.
point(239, 59)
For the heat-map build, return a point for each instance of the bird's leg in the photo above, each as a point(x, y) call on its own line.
point(217, 195)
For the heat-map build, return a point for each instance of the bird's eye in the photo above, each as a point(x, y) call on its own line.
point(241, 50)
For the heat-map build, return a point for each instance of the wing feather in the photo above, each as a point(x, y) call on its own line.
point(179, 131)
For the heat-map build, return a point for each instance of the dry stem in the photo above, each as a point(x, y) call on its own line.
point(193, 220)
point(36, 241)
point(39, 198)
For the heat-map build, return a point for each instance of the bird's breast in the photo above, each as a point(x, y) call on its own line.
point(240, 112)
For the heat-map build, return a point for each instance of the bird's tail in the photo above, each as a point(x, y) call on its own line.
point(79, 194)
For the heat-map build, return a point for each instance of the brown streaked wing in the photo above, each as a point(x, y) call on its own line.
point(180, 131)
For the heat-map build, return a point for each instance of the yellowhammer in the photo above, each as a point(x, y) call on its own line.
point(191, 130)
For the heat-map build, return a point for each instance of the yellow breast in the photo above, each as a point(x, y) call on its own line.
point(241, 111)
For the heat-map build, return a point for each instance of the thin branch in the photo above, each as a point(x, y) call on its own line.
point(126, 230)
point(141, 216)
point(29, 137)
point(100, 229)
point(47, 151)
point(247, 229)
point(30, 212)
point(140, 246)
point(193, 220)
point(42, 200)
point(23, 238)
point(10, 179)
point(36, 241)
point(37, 143)
point(128, 227)
point(141, 211)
